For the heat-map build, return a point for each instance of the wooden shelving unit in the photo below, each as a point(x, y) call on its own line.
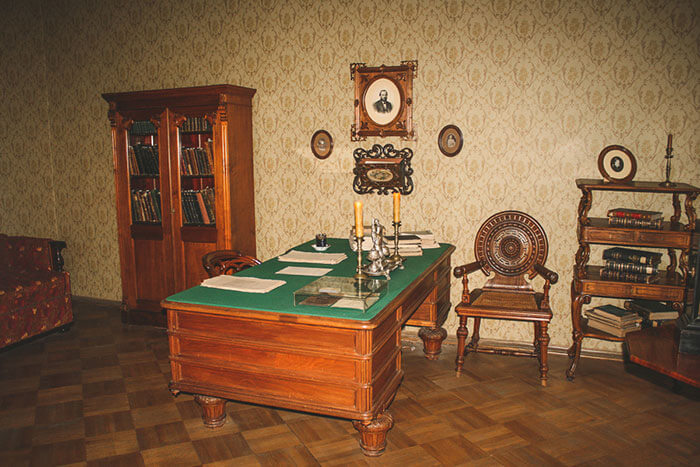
point(673, 236)
point(171, 148)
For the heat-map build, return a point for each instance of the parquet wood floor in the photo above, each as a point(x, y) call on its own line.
point(97, 395)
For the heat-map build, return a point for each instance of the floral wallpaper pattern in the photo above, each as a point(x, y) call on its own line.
point(537, 87)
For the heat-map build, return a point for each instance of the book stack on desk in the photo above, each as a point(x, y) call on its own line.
point(630, 265)
point(427, 239)
point(636, 218)
point(613, 320)
point(653, 313)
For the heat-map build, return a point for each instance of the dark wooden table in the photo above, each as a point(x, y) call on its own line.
point(657, 349)
point(339, 365)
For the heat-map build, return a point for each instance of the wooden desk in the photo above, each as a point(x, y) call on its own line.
point(340, 363)
point(657, 348)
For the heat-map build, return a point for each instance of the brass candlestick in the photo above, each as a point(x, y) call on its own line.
point(668, 157)
point(359, 274)
point(396, 258)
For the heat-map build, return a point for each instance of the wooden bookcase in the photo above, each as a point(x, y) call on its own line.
point(674, 236)
point(195, 196)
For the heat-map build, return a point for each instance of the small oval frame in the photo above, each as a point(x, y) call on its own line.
point(322, 144)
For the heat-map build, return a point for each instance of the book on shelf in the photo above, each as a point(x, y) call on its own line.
point(143, 128)
point(145, 206)
point(630, 267)
point(651, 310)
point(143, 159)
point(609, 274)
point(614, 314)
point(635, 214)
point(631, 255)
point(198, 206)
point(616, 331)
point(195, 125)
point(656, 224)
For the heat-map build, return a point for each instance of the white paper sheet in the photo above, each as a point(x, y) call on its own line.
point(242, 284)
point(295, 256)
point(301, 271)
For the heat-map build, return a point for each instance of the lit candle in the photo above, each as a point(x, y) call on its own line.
point(397, 204)
point(670, 139)
point(359, 228)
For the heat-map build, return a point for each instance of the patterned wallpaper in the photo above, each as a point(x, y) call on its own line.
point(537, 87)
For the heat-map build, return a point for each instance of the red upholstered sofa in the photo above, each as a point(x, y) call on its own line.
point(34, 290)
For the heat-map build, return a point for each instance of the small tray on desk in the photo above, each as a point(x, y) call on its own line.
point(345, 292)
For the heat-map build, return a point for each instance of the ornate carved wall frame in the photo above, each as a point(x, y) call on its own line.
point(383, 169)
point(383, 100)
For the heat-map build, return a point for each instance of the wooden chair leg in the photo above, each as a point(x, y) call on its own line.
point(536, 343)
point(544, 343)
point(462, 333)
point(474, 342)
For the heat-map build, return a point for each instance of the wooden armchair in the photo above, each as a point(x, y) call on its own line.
point(510, 244)
point(227, 262)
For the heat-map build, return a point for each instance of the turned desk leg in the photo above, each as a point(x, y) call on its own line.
point(373, 434)
point(432, 341)
point(213, 413)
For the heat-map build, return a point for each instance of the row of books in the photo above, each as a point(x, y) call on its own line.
point(636, 218)
point(197, 161)
point(195, 125)
point(636, 314)
point(145, 206)
point(630, 265)
point(143, 128)
point(198, 206)
point(143, 159)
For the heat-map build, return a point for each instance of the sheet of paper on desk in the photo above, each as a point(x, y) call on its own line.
point(242, 284)
point(295, 256)
point(300, 271)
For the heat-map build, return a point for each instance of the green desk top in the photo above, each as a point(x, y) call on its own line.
point(281, 299)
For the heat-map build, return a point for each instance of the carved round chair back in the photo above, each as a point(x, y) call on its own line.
point(510, 243)
point(227, 262)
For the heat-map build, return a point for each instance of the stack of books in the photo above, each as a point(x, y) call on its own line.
point(613, 320)
point(631, 265)
point(427, 239)
point(409, 245)
point(653, 313)
point(636, 218)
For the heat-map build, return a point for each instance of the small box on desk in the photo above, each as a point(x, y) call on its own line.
point(341, 292)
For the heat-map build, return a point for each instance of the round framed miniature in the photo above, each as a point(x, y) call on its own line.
point(617, 164)
point(322, 144)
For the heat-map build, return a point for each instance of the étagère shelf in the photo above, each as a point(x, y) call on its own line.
point(671, 285)
point(183, 164)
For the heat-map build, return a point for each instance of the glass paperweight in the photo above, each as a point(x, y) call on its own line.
point(341, 292)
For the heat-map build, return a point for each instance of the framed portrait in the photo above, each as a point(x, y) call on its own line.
point(450, 140)
point(383, 100)
point(322, 144)
point(383, 169)
point(617, 164)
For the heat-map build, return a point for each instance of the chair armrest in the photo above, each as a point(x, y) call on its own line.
point(463, 270)
point(549, 275)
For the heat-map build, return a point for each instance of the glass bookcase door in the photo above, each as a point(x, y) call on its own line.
point(144, 173)
point(196, 166)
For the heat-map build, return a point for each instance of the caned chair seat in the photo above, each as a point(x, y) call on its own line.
point(509, 246)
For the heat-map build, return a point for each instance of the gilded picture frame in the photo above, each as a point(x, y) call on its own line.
point(383, 100)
